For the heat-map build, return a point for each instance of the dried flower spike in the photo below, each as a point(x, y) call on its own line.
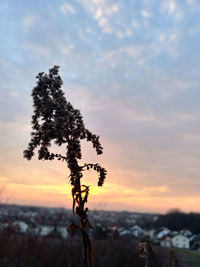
point(56, 120)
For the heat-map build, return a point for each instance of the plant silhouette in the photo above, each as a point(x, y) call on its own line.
point(55, 119)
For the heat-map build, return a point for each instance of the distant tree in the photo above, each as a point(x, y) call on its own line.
point(177, 220)
point(55, 119)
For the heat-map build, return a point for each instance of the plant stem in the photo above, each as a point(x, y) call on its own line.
point(85, 250)
point(84, 238)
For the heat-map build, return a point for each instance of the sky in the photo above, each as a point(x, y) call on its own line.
point(132, 68)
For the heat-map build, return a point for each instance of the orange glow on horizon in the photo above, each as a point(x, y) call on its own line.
point(114, 196)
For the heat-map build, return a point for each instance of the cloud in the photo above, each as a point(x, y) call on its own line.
point(128, 32)
point(37, 49)
point(195, 30)
point(133, 51)
point(103, 12)
point(141, 192)
point(28, 21)
point(120, 35)
point(67, 8)
point(13, 93)
point(145, 13)
point(136, 55)
point(66, 49)
point(169, 88)
point(172, 8)
point(192, 137)
point(169, 41)
point(169, 6)
point(192, 2)
point(135, 24)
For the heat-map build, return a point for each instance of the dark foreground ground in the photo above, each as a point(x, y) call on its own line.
point(31, 251)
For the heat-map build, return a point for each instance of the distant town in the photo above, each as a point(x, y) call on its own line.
point(53, 222)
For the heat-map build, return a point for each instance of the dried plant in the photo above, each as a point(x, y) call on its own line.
point(55, 119)
point(173, 258)
point(146, 253)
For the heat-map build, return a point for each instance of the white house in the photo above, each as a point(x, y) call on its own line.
point(124, 232)
point(45, 230)
point(149, 233)
point(165, 231)
point(63, 232)
point(181, 241)
point(21, 226)
point(186, 232)
point(166, 242)
point(136, 230)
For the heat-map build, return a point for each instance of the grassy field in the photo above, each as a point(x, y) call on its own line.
point(188, 258)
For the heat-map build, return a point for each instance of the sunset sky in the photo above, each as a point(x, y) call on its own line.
point(133, 69)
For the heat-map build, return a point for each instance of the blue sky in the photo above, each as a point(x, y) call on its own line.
point(132, 67)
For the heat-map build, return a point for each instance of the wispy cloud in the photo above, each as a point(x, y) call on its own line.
point(66, 49)
point(37, 49)
point(192, 2)
point(172, 8)
point(103, 12)
point(28, 21)
point(67, 8)
point(145, 13)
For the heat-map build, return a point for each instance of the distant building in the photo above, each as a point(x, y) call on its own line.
point(124, 232)
point(186, 233)
point(163, 232)
point(166, 241)
point(150, 233)
point(46, 230)
point(195, 242)
point(136, 230)
point(181, 241)
point(130, 220)
point(20, 226)
point(63, 232)
point(54, 231)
